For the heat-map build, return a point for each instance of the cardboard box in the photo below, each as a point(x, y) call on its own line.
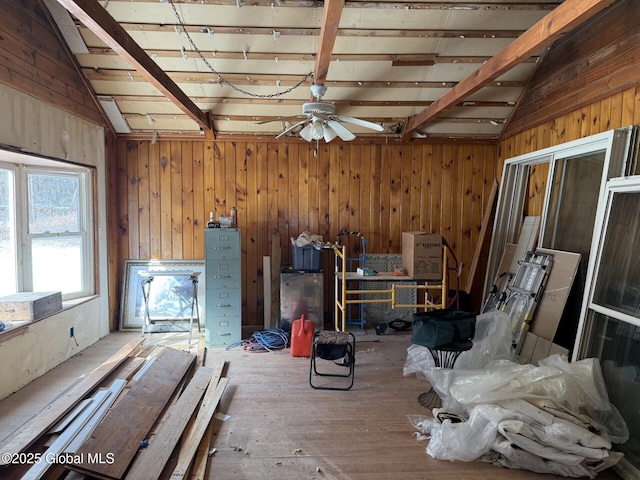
point(422, 255)
point(29, 305)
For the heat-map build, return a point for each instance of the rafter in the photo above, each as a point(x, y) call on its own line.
point(481, 5)
point(568, 15)
point(328, 32)
point(96, 18)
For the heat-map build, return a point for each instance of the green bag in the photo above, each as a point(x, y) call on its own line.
point(442, 327)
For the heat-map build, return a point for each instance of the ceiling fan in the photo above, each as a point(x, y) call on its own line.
point(321, 121)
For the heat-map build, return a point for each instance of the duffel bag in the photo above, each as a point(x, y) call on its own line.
point(441, 327)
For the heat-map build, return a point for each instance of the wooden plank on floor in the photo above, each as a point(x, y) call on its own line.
point(194, 437)
point(202, 352)
point(200, 464)
point(150, 461)
point(32, 430)
point(80, 428)
point(202, 456)
point(131, 419)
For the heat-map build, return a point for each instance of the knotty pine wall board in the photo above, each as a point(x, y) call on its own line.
point(162, 194)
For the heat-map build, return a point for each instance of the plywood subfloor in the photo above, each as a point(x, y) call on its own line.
point(274, 425)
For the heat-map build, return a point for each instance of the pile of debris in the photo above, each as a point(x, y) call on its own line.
point(144, 413)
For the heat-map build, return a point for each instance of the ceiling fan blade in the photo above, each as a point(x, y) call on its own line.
point(291, 128)
point(342, 131)
point(306, 132)
point(277, 119)
point(362, 123)
point(329, 133)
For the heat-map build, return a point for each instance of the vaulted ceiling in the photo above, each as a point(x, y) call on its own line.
point(419, 68)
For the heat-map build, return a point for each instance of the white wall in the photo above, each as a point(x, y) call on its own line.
point(34, 126)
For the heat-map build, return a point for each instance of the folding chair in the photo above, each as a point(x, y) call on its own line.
point(333, 346)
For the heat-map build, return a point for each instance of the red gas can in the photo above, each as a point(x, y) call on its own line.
point(302, 331)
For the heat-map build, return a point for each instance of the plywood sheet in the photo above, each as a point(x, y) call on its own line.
point(554, 298)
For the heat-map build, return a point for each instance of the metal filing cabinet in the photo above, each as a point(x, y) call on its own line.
point(223, 324)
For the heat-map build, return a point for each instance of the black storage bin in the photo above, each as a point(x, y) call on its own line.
point(307, 258)
point(442, 327)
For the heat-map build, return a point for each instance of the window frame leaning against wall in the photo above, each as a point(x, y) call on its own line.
point(21, 166)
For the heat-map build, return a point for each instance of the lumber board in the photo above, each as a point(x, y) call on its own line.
point(202, 455)
point(70, 417)
point(276, 260)
point(486, 218)
point(131, 419)
point(80, 428)
point(194, 437)
point(43, 421)
point(202, 352)
point(150, 461)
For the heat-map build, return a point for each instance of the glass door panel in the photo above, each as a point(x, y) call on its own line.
point(617, 345)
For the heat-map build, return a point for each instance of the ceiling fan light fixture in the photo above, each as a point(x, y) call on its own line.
point(317, 132)
point(329, 133)
point(305, 133)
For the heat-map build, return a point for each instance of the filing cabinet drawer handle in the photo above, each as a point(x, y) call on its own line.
point(221, 248)
point(221, 276)
point(223, 305)
point(224, 334)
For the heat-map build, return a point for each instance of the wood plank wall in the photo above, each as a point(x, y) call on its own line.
point(587, 83)
point(162, 194)
point(35, 61)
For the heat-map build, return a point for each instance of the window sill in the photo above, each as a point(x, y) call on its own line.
point(17, 328)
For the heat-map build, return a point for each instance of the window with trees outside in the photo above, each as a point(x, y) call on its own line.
point(46, 229)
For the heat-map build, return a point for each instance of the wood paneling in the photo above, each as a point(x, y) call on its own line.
point(593, 62)
point(33, 60)
point(165, 191)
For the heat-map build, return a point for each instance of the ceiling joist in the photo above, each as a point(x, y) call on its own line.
point(452, 5)
point(96, 18)
point(270, 80)
point(310, 57)
point(314, 32)
point(568, 15)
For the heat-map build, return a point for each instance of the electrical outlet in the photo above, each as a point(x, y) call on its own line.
point(71, 334)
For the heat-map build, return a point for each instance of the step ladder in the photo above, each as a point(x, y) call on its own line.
point(521, 293)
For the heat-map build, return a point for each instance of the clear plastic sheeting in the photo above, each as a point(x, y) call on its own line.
point(555, 418)
point(492, 341)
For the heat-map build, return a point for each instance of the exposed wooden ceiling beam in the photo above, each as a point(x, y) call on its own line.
point(157, 100)
point(482, 5)
point(308, 57)
point(568, 15)
point(270, 79)
point(96, 18)
point(328, 32)
point(312, 32)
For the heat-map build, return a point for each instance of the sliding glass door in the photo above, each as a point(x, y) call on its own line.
point(610, 323)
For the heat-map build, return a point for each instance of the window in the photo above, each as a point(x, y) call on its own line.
point(46, 228)
point(611, 317)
